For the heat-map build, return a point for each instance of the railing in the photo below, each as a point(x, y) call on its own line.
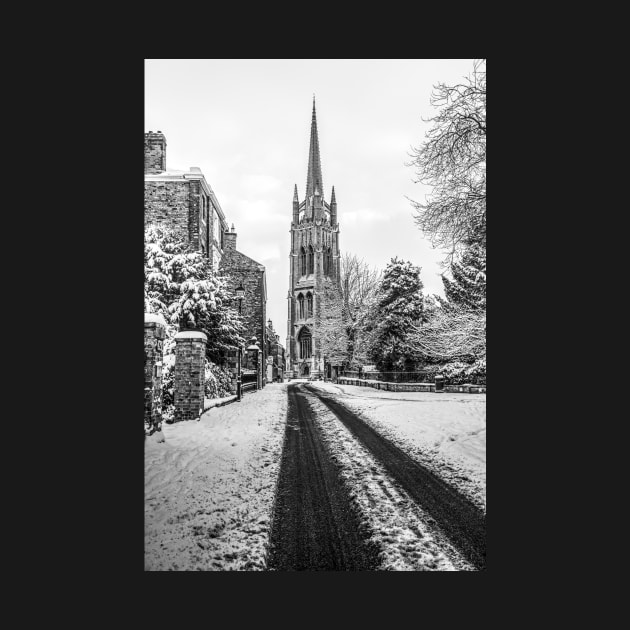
point(249, 381)
point(413, 377)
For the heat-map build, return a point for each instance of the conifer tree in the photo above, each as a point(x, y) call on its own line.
point(467, 288)
point(181, 285)
point(399, 305)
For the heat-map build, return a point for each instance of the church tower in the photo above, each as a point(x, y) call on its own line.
point(314, 259)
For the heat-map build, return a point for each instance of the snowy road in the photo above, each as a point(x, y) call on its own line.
point(314, 527)
point(455, 515)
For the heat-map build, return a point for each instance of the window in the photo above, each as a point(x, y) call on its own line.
point(302, 262)
point(309, 305)
point(304, 340)
point(300, 306)
point(216, 225)
point(310, 259)
point(328, 262)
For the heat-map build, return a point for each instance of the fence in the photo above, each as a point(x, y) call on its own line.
point(249, 381)
point(426, 376)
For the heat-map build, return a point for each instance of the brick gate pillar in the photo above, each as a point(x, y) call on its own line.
point(190, 354)
point(154, 333)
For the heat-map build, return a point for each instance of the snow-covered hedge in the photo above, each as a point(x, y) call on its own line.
point(217, 381)
point(458, 373)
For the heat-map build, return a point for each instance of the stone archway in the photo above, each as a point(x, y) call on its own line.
point(305, 369)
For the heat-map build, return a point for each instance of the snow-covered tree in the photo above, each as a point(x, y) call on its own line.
point(467, 288)
point(399, 304)
point(359, 284)
point(330, 324)
point(182, 286)
point(456, 333)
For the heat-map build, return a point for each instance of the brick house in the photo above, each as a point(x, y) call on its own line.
point(243, 271)
point(185, 202)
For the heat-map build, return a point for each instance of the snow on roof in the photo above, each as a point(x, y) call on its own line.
point(167, 173)
point(191, 334)
point(153, 317)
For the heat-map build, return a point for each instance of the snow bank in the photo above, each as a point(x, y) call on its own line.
point(209, 489)
point(209, 403)
point(446, 432)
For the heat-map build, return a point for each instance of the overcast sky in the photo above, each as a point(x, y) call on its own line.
point(246, 124)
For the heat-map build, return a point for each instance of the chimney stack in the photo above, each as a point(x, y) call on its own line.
point(229, 240)
point(154, 152)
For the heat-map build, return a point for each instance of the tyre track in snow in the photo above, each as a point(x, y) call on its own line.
point(460, 520)
point(314, 526)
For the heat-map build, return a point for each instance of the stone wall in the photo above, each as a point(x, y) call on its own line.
point(411, 387)
point(154, 333)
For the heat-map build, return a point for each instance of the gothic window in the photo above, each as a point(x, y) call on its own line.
point(310, 259)
point(302, 264)
point(300, 302)
point(304, 340)
point(328, 262)
point(309, 305)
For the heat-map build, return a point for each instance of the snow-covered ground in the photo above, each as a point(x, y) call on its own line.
point(401, 530)
point(446, 432)
point(210, 486)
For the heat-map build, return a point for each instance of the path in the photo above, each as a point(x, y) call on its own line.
point(314, 527)
point(455, 515)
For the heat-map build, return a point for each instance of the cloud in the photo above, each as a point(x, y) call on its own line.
point(365, 215)
point(260, 184)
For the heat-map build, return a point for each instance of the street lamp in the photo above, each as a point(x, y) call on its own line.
point(240, 294)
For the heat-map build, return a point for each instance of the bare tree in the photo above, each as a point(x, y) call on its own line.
point(331, 325)
point(359, 283)
point(452, 161)
point(454, 333)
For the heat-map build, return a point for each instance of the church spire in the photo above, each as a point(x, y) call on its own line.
point(314, 174)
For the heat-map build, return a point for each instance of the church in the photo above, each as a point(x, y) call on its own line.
point(314, 261)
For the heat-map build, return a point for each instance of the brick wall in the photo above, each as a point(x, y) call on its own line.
point(239, 268)
point(166, 203)
point(189, 376)
point(154, 333)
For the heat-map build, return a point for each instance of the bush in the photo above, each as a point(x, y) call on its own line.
point(459, 373)
point(217, 381)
